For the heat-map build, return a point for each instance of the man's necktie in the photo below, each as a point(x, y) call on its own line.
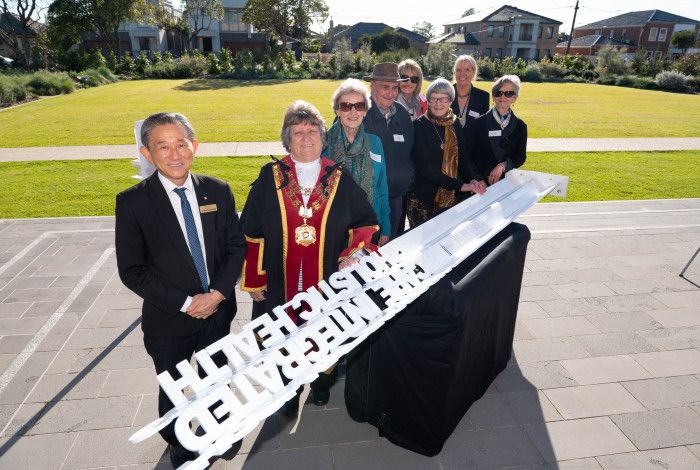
point(195, 247)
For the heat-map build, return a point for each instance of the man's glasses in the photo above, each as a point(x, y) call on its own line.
point(507, 94)
point(439, 100)
point(345, 107)
point(410, 79)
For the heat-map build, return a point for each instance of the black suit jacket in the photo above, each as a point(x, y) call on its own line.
point(154, 261)
point(481, 152)
point(478, 102)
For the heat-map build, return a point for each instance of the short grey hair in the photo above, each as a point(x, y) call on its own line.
point(512, 79)
point(351, 85)
point(465, 58)
point(412, 65)
point(301, 112)
point(164, 119)
point(440, 85)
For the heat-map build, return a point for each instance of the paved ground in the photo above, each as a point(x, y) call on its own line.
point(218, 149)
point(605, 374)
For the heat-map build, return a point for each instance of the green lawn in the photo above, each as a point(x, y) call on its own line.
point(238, 110)
point(79, 188)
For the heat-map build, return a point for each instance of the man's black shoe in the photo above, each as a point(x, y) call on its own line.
point(179, 455)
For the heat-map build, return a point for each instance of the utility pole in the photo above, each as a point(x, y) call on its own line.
point(571, 35)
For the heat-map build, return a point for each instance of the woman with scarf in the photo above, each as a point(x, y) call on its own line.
point(444, 174)
point(497, 141)
point(360, 153)
point(305, 218)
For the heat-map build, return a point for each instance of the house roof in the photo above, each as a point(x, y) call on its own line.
point(358, 30)
point(11, 21)
point(639, 18)
point(502, 14)
point(411, 35)
point(595, 40)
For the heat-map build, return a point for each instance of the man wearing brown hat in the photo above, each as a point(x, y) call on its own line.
point(392, 123)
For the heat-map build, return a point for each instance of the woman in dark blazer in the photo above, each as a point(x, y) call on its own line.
point(497, 141)
point(469, 102)
point(444, 175)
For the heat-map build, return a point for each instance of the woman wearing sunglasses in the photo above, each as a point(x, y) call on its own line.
point(444, 174)
point(361, 153)
point(470, 102)
point(409, 90)
point(497, 141)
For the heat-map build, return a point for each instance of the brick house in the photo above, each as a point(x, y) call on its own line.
point(650, 30)
point(507, 31)
point(25, 37)
point(356, 31)
point(591, 44)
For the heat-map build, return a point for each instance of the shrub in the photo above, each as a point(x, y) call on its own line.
point(50, 83)
point(214, 68)
point(156, 57)
point(645, 83)
point(439, 60)
point(112, 61)
point(487, 69)
point(141, 63)
point(168, 56)
point(532, 73)
point(552, 69)
point(688, 64)
point(97, 77)
point(589, 75)
point(225, 60)
point(671, 80)
point(343, 58)
point(12, 90)
point(625, 80)
point(612, 61)
point(184, 67)
point(693, 84)
point(606, 79)
point(126, 64)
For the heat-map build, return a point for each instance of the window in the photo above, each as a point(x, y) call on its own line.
point(144, 44)
point(537, 54)
point(232, 20)
point(547, 53)
point(662, 34)
point(461, 29)
point(487, 52)
point(550, 32)
point(658, 54)
point(499, 52)
point(612, 34)
point(449, 29)
point(652, 33)
point(489, 30)
point(539, 32)
point(622, 35)
point(501, 31)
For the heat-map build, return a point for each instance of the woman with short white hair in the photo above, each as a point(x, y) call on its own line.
point(444, 173)
point(497, 141)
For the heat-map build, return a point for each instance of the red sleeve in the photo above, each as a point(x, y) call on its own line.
point(360, 237)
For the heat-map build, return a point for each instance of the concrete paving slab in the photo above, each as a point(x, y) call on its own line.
point(484, 448)
point(660, 428)
point(595, 370)
point(623, 322)
point(676, 317)
point(548, 349)
point(104, 447)
point(588, 401)
point(674, 338)
point(380, 455)
point(540, 375)
point(613, 344)
point(673, 457)
point(668, 363)
point(46, 451)
point(666, 392)
point(560, 327)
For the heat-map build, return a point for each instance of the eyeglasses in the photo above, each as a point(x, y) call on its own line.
point(345, 107)
point(410, 79)
point(507, 94)
point(440, 100)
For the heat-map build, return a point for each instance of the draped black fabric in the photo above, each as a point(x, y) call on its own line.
point(416, 377)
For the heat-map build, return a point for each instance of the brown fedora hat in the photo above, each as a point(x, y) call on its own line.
point(385, 72)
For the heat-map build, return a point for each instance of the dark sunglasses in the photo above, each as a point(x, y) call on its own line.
point(507, 94)
point(410, 79)
point(345, 107)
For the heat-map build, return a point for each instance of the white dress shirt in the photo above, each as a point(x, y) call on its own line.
point(176, 202)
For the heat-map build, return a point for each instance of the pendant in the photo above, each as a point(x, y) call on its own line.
point(305, 213)
point(442, 146)
point(305, 235)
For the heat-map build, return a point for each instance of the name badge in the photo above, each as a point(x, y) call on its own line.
point(207, 208)
point(376, 157)
point(398, 138)
point(495, 133)
point(473, 113)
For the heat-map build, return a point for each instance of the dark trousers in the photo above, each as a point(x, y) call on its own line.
point(167, 352)
point(397, 206)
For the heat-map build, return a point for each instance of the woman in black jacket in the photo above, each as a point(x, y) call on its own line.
point(469, 102)
point(444, 174)
point(497, 141)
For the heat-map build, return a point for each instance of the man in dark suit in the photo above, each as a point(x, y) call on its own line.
point(180, 247)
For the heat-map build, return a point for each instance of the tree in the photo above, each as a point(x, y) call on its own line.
point(683, 40)
point(562, 37)
point(19, 20)
point(199, 15)
point(424, 29)
point(387, 40)
point(469, 11)
point(282, 16)
point(440, 59)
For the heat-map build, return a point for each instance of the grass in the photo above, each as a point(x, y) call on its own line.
point(80, 188)
point(240, 110)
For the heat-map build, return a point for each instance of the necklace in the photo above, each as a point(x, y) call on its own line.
point(305, 234)
point(442, 142)
point(306, 191)
point(464, 96)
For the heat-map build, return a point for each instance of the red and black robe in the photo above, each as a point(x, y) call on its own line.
point(343, 218)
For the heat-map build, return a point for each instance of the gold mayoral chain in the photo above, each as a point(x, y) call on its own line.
point(305, 234)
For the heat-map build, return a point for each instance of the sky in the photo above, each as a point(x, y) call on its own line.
point(406, 13)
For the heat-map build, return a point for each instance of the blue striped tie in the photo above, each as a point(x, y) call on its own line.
point(195, 247)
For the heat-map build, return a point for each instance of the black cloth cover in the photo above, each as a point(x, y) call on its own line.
point(416, 377)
